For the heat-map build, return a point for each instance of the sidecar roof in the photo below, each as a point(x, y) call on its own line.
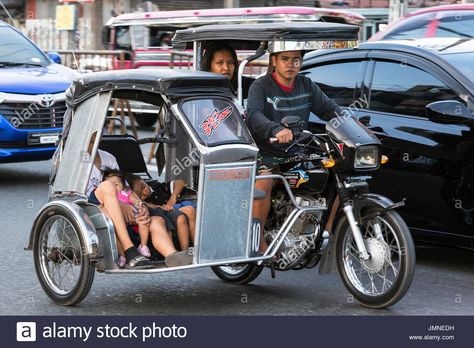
point(173, 83)
point(290, 31)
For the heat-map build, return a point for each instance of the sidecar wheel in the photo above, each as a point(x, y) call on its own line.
point(242, 273)
point(64, 271)
point(384, 279)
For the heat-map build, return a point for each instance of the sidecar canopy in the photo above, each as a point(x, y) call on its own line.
point(309, 36)
point(173, 83)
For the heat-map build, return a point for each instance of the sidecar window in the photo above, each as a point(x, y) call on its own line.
point(216, 121)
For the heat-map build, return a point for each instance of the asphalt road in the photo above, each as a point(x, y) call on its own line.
point(443, 283)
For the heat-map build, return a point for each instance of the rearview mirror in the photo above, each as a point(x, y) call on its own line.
point(449, 112)
point(55, 57)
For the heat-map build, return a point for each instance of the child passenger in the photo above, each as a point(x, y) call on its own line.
point(165, 196)
point(127, 196)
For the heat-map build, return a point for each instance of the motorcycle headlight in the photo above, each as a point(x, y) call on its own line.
point(366, 157)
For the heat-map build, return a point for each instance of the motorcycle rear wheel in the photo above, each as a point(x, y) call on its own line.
point(384, 279)
point(242, 273)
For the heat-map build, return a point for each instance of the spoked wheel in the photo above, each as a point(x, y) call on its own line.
point(384, 279)
point(63, 269)
point(241, 273)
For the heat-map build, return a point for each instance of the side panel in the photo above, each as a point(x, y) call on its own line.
point(76, 165)
point(225, 217)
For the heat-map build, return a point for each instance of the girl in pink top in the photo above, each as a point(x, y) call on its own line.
point(127, 196)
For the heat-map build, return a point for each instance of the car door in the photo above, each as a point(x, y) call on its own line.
point(426, 163)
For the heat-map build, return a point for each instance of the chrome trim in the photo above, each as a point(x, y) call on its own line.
point(349, 211)
point(29, 98)
point(240, 73)
point(281, 46)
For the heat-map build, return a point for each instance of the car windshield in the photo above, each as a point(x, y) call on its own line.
point(16, 50)
point(437, 24)
point(464, 62)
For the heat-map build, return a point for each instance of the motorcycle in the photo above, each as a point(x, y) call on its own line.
point(371, 244)
point(204, 141)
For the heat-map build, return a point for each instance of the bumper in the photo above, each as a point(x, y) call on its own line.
point(16, 145)
point(26, 154)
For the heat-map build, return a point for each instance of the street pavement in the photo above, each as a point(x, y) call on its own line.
point(443, 283)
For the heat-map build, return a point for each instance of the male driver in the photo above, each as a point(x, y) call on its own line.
point(282, 92)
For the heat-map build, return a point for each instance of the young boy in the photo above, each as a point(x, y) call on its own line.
point(165, 196)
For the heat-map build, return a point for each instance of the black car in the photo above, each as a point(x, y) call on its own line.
point(388, 86)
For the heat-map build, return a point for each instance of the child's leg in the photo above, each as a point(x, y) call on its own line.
point(182, 230)
point(159, 236)
point(144, 233)
point(190, 213)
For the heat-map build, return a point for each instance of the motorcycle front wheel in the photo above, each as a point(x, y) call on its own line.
point(384, 279)
point(242, 273)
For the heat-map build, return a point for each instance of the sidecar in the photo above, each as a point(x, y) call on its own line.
point(202, 139)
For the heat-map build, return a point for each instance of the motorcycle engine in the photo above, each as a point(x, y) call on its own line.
point(303, 236)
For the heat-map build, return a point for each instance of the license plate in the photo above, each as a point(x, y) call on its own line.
point(49, 139)
point(43, 138)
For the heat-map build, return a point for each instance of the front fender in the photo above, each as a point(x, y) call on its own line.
point(371, 200)
point(360, 202)
point(363, 201)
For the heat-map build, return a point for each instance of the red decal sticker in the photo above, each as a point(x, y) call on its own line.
point(214, 120)
point(229, 174)
point(340, 147)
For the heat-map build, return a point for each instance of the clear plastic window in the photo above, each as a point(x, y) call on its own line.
point(216, 121)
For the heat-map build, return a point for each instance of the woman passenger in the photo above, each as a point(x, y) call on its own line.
point(220, 58)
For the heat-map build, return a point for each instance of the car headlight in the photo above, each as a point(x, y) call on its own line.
point(366, 157)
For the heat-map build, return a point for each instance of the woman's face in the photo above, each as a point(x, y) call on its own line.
point(223, 63)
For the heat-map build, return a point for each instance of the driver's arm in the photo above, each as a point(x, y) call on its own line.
point(256, 119)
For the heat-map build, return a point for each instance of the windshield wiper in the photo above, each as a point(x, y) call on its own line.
point(456, 32)
point(6, 64)
point(460, 41)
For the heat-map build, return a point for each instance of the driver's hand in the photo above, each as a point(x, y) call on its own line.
point(127, 212)
point(284, 136)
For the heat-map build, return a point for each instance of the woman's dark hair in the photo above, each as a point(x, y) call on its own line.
point(209, 55)
point(271, 68)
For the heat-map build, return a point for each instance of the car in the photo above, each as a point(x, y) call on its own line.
point(32, 99)
point(390, 86)
point(439, 21)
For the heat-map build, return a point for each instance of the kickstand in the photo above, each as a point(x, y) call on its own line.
point(272, 269)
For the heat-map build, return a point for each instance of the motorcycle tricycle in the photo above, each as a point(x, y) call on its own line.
point(204, 141)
